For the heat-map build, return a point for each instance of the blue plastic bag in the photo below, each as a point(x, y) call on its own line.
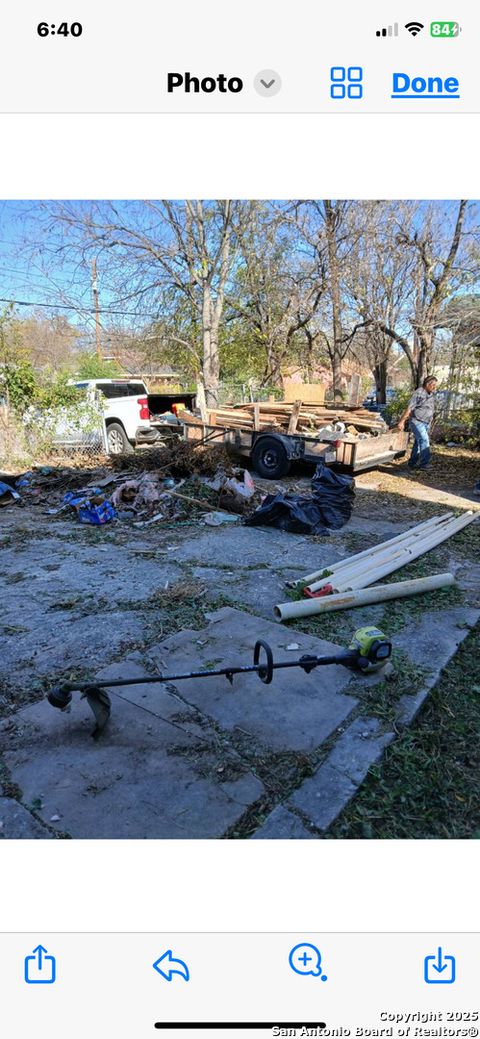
point(9, 493)
point(88, 511)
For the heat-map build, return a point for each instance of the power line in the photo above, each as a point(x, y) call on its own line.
point(77, 309)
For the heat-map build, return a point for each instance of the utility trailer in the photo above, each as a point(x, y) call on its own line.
point(272, 452)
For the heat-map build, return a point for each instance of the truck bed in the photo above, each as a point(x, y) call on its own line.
point(161, 403)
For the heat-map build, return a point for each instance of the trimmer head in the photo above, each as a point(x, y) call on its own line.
point(60, 697)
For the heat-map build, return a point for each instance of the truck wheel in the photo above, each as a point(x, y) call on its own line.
point(117, 440)
point(270, 458)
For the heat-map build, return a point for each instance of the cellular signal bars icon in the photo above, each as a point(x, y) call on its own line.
point(391, 30)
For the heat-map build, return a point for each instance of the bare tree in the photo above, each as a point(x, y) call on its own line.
point(50, 341)
point(149, 249)
point(326, 231)
point(460, 318)
point(277, 291)
point(378, 288)
point(437, 274)
point(204, 249)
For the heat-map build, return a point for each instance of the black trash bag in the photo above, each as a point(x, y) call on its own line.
point(335, 493)
point(330, 505)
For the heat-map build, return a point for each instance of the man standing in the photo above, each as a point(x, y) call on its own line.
point(420, 413)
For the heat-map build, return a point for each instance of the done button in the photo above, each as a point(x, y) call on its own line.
point(424, 86)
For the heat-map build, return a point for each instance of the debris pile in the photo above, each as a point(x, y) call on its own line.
point(151, 497)
point(179, 459)
point(177, 483)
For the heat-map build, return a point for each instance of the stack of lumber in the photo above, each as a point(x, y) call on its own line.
point(295, 418)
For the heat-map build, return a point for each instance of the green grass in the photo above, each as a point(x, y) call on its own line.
point(380, 697)
point(428, 784)
point(466, 544)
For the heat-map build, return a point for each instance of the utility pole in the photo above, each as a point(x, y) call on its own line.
point(97, 308)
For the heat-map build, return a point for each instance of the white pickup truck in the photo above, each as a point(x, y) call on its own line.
point(125, 410)
point(131, 415)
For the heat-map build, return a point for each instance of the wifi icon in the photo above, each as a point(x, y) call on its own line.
point(414, 28)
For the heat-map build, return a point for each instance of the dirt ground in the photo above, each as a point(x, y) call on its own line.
point(79, 601)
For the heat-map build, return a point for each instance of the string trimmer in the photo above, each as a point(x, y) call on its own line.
point(369, 650)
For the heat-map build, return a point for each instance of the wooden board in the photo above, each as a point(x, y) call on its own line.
point(309, 392)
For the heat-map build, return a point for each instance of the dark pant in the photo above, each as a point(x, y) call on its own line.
point(421, 446)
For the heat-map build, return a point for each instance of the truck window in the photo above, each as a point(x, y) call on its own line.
point(112, 390)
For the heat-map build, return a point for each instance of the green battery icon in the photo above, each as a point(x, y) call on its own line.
point(444, 30)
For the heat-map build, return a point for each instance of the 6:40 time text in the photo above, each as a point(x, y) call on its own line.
point(64, 29)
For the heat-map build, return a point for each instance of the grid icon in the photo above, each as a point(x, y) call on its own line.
point(346, 82)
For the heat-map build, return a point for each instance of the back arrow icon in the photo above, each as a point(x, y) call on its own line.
point(167, 966)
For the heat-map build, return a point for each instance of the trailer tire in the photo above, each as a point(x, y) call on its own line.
point(270, 459)
point(117, 440)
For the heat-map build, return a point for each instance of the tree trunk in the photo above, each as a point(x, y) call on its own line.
point(423, 360)
point(336, 376)
point(330, 226)
point(211, 358)
point(380, 376)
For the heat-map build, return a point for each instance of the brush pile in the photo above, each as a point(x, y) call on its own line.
point(178, 460)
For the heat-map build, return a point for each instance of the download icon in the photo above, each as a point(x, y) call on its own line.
point(439, 969)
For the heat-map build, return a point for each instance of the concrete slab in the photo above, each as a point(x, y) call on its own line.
point(381, 528)
point(144, 779)
point(260, 589)
point(468, 577)
point(119, 573)
point(283, 824)
point(65, 640)
point(360, 746)
point(296, 712)
point(431, 642)
point(17, 823)
point(256, 546)
point(322, 796)
point(158, 699)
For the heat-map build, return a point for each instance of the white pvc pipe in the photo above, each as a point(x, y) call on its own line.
point(367, 576)
point(375, 548)
point(337, 579)
point(362, 597)
point(367, 570)
point(367, 563)
point(386, 550)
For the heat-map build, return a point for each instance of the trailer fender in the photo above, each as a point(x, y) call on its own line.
point(272, 454)
point(294, 446)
